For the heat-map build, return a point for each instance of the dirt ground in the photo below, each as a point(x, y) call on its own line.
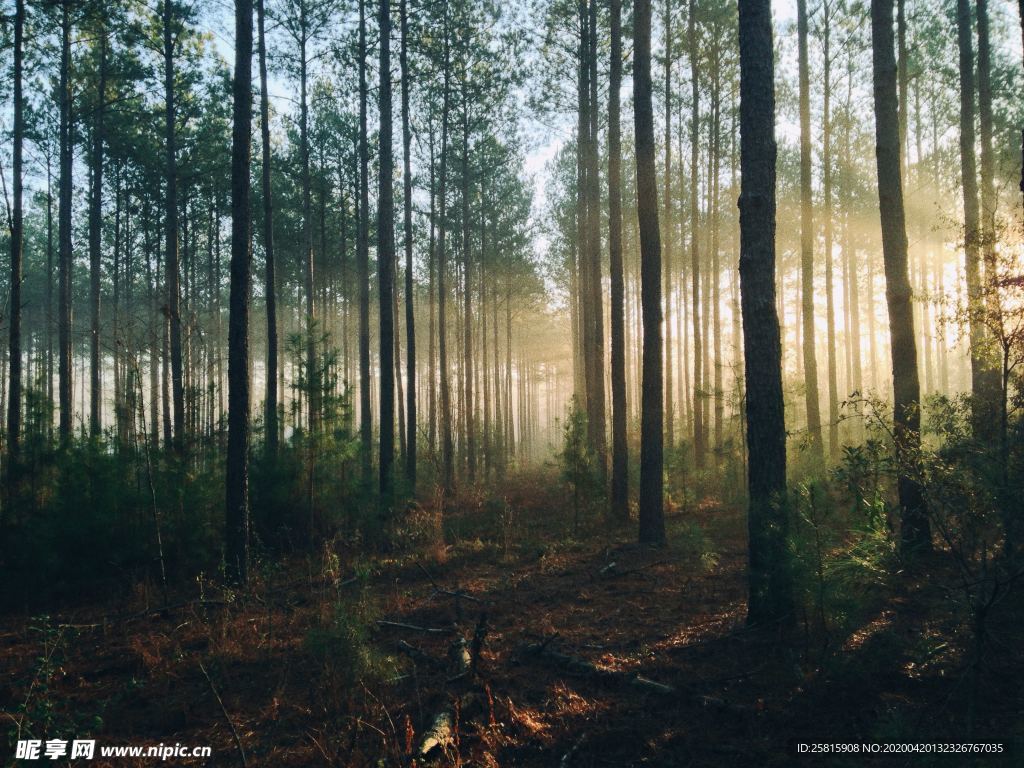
point(311, 667)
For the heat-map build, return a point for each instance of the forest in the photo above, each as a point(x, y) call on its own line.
point(512, 382)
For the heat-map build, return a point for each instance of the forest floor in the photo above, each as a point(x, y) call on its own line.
point(301, 671)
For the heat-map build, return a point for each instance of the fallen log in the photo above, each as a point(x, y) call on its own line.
point(440, 733)
point(443, 727)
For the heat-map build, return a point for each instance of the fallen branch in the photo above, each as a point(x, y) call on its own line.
point(458, 594)
point(223, 709)
point(414, 628)
point(612, 571)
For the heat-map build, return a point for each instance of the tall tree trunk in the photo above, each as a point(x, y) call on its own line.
point(468, 401)
point(445, 418)
point(64, 231)
point(363, 263)
point(914, 534)
point(830, 312)
point(386, 263)
point(770, 596)
point(699, 434)
point(236, 529)
point(95, 234)
point(716, 270)
point(652, 518)
point(312, 365)
point(620, 448)
point(807, 245)
point(171, 232)
point(987, 229)
point(270, 278)
point(668, 228)
point(972, 266)
point(596, 417)
point(410, 317)
point(14, 348)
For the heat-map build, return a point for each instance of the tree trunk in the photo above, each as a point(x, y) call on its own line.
point(445, 418)
point(620, 448)
point(699, 436)
point(64, 230)
point(914, 534)
point(652, 519)
point(270, 279)
point(972, 267)
point(807, 246)
point(830, 312)
point(770, 596)
point(987, 228)
point(410, 318)
point(468, 401)
point(236, 529)
point(668, 227)
point(386, 263)
point(171, 233)
point(596, 418)
point(14, 349)
point(313, 384)
point(363, 264)
point(95, 234)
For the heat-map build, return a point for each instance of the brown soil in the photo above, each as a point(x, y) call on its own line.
point(126, 673)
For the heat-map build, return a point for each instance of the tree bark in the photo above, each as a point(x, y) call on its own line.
point(95, 234)
point(830, 313)
point(652, 519)
point(14, 348)
point(620, 447)
point(171, 233)
point(807, 246)
point(699, 433)
point(445, 417)
point(668, 227)
point(914, 534)
point(386, 263)
point(968, 169)
point(410, 317)
point(770, 596)
point(64, 231)
point(236, 545)
point(987, 225)
point(270, 277)
point(363, 263)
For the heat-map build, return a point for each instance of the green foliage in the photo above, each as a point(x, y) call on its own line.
point(86, 515)
point(841, 544)
point(310, 486)
point(343, 645)
point(579, 468)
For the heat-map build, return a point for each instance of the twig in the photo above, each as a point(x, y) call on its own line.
point(414, 628)
point(438, 589)
point(610, 571)
point(231, 725)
